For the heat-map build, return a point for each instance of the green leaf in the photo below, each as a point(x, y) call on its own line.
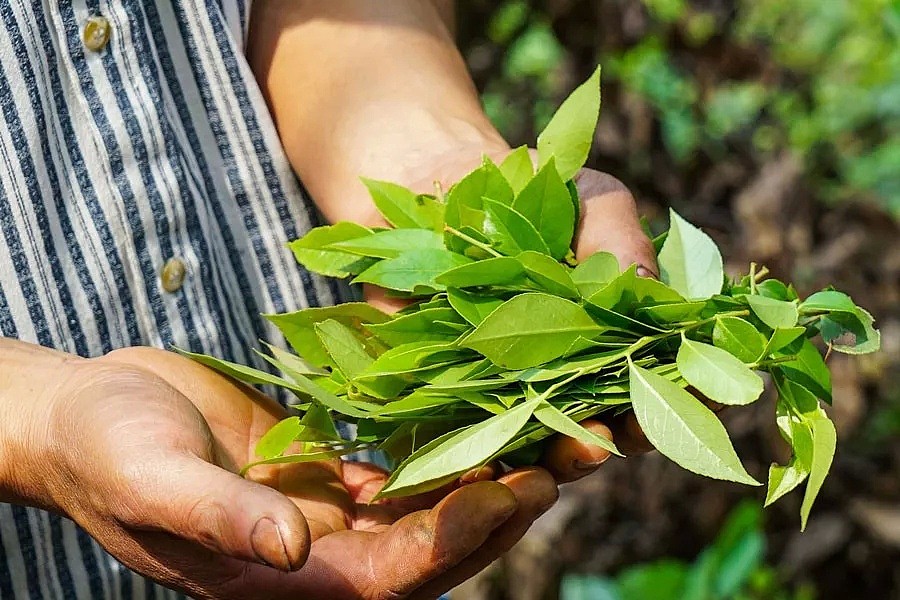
point(313, 250)
point(391, 243)
point(556, 420)
point(797, 401)
point(558, 369)
point(510, 231)
point(237, 371)
point(772, 288)
point(569, 135)
point(549, 274)
point(739, 337)
point(784, 479)
point(278, 438)
point(298, 327)
point(295, 362)
point(499, 270)
point(465, 208)
point(483, 401)
point(824, 444)
point(865, 341)
point(473, 385)
point(628, 290)
point(318, 419)
point(595, 272)
point(717, 374)
point(690, 261)
point(827, 301)
point(451, 455)
point(808, 368)
point(416, 327)
point(299, 383)
point(347, 352)
point(382, 376)
point(402, 207)
point(671, 312)
point(575, 199)
point(411, 270)
point(513, 337)
point(417, 401)
point(518, 168)
point(774, 313)
point(474, 308)
point(781, 337)
point(683, 429)
point(545, 202)
point(303, 458)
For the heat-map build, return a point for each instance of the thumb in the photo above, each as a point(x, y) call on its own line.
point(609, 222)
point(200, 502)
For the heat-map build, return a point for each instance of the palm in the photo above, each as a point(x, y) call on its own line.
point(416, 547)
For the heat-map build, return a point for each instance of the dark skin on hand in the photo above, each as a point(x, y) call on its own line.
point(417, 547)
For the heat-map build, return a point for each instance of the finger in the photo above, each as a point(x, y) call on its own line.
point(197, 501)
point(416, 549)
point(364, 480)
point(609, 222)
point(486, 472)
point(569, 459)
point(379, 298)
point(629, 436)
point(535, 493)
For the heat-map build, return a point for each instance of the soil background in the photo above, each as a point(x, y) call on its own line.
point(765, 205)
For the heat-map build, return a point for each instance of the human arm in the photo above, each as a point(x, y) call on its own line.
point(379, 89)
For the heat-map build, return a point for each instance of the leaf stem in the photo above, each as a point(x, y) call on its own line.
point(773, 361)
point(471, 240)
point(439, 192)
point(685, 326)
point(549, 391)
point(753, 278)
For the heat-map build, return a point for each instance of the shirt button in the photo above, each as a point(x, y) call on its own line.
point(96, 33)
point(172, 275)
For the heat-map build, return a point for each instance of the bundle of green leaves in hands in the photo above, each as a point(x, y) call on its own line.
point(508, 339)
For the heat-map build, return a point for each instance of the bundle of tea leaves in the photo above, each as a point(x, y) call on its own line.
point(508, 339)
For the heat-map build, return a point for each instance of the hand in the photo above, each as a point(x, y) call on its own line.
point(146, 446)
point(609, 222)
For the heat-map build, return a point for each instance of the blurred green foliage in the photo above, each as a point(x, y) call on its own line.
point(731, 568)
point(825, 84)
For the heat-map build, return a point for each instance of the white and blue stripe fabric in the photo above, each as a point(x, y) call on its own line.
point(113, 162)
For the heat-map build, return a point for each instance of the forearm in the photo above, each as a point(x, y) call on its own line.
point(30, 377)
point(365, 88)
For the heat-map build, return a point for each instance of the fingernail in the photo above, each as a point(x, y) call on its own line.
point(268, 544)
point(478, 474)
point(584, 465)
point(643, 271)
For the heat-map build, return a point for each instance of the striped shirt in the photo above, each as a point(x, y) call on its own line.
point(113, 161)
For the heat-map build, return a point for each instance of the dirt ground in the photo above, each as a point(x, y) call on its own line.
point(759, 207)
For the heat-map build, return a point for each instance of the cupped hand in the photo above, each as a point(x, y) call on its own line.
point(147, 444)
point(609, 222)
